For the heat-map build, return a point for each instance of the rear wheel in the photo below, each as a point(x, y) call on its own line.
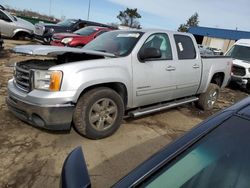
point(98, 113)
point(207, 100)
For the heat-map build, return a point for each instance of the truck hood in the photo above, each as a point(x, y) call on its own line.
point(53, 51)
point(241, 63)
point(24, 24)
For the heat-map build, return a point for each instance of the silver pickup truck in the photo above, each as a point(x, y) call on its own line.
point(119, 74)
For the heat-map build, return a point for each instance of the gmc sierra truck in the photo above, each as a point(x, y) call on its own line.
point(126, 73)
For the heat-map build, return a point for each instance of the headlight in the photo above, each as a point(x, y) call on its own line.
point(51, 30)
point(47, 80)
point(67, 40)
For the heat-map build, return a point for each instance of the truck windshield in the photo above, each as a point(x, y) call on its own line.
point(86, 31)
point(239, 52)
point(120, 43)
point(67, 23)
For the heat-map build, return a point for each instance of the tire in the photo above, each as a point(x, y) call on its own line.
point(21, 36)
point(207, 100)
point(47, 41)
point(105, 107)
point(248, 88)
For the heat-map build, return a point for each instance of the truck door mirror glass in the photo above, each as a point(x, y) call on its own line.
point(149, 53)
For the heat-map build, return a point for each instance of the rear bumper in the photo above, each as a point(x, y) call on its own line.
point(47, 116)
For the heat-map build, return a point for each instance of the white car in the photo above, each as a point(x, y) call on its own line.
point(240, 52)
point(11, 26)
point(205, 51)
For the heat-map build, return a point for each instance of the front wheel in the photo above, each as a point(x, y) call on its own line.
point(207, 100)
point(98, 113)
point(248, 87)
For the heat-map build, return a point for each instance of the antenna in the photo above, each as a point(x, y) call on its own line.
point(89, 9)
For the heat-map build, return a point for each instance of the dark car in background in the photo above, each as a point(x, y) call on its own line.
point(214, 154)
point(44, 31)
point(79, 38)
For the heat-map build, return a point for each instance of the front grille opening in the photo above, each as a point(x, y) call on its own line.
point(22, 78)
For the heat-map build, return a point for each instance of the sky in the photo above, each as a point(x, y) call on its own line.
point(163, 14)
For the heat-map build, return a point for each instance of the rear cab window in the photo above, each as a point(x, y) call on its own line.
point(185, 47)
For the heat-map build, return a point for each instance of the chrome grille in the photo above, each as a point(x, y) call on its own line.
point(238, 70)
point(39, 30)
point(22, 78)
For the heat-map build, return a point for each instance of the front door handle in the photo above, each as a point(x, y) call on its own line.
point(170, 68)
point(196, 66)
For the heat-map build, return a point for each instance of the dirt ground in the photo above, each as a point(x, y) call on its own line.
point(30, 157)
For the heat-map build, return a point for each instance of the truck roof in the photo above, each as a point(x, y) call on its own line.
point(157, 31)
point(243, 42)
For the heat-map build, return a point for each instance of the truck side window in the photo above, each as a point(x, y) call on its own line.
point(159, 41)
point(185, 47)
point(4, 17)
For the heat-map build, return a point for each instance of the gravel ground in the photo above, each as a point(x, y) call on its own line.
point(30, 157)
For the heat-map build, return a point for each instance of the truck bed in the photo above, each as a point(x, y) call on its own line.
point(212, 65)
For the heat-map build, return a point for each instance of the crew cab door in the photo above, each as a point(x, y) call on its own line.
point(188, 67)
point(153, 79)
point(7, 25)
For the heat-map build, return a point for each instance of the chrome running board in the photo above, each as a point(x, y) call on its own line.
point(160, 107)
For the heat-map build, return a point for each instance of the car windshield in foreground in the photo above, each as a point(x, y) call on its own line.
point(220, 159)
point(86, 31)
point(239, 52)
point(120, 43)
point(67, 23)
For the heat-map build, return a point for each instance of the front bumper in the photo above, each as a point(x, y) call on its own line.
point(47, 116)
point(55, 43)
point(240, 80)
point(42, 38)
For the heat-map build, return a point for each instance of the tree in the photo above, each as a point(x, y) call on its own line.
point(129, 18)
point(191, 22)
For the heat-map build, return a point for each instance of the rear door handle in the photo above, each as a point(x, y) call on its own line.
point(170, 68)
point(196, 66)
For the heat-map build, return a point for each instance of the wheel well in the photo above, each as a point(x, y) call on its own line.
point(218, 78)
point(120, 88)
point(20, 33)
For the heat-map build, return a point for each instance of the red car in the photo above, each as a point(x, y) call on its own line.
point(79, 38)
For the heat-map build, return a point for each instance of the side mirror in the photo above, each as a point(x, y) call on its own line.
point(74, 172)
point(149, 53)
